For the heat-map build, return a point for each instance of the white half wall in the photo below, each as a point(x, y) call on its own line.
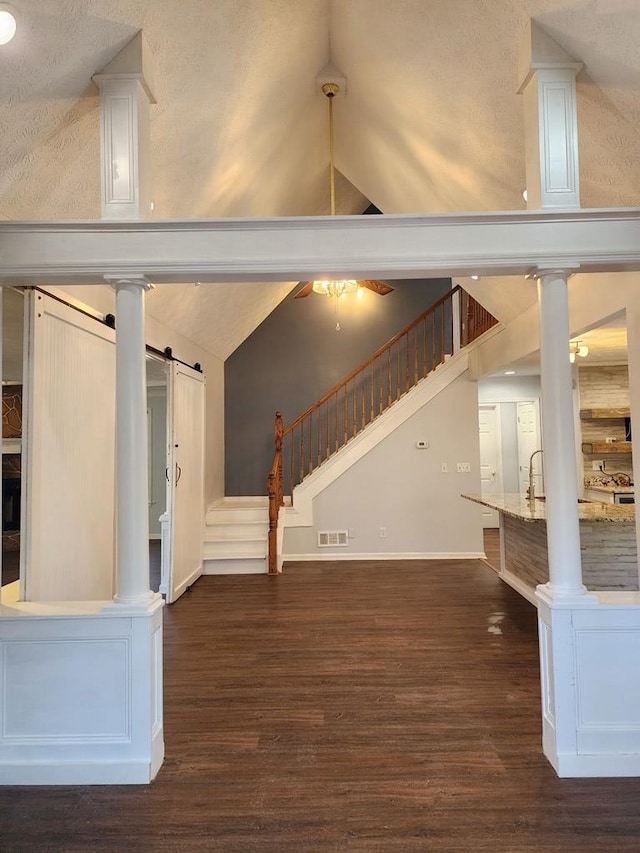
point(402, 491)
point(590, 690)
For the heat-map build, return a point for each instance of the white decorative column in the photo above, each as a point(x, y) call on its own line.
point(132, 509)
point(547, 76)
point(558, 436)
point(126, 96)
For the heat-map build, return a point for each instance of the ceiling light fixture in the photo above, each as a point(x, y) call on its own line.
point(475, 277)
point(8, 23)
point(576, 348)
point(336, 289)
point(525, 195)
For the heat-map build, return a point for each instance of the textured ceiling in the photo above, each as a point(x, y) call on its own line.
point(430, 122)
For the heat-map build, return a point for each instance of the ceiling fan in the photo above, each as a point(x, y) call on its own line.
point(378, 287)
point(336, 288)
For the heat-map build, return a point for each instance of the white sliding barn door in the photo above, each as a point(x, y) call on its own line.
point(68, 455)
point(185, 475)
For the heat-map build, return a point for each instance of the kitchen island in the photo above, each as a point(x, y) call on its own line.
point(607, 543)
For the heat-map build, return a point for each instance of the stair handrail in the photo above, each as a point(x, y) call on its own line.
point(473, 321)
point(367, 362)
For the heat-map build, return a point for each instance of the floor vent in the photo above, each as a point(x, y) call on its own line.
point(330, 538)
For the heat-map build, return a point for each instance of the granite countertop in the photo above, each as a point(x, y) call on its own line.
point(612, 489)
point(518, 506)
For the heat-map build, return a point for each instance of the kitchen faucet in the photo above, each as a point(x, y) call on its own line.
point(531, 491)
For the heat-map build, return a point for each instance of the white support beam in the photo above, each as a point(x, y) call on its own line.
point(390, 246)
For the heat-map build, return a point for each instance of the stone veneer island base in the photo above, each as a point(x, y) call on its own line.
point(607, 543)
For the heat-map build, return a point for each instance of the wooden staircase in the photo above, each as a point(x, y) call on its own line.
point(344, 412)
point(241, 534)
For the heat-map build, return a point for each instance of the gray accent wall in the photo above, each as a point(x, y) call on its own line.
point(295, 356)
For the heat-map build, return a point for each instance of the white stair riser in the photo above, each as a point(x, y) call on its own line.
point(241, 566)
point(233, 516)
point(237, 548)
point(223, 532)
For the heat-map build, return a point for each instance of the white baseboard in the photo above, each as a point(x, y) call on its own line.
point(84, 773)
point(336, 556)
point(193, 577)
point(520, 586)
point(593, 766)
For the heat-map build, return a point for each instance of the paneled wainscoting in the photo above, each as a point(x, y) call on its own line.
point(368, 707)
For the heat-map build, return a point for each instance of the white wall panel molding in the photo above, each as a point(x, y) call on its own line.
point(82, 694)
point(399, 246)
point(590, 691)
point(125, 97)
point(548, 83)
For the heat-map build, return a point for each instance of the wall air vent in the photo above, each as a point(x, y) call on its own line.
point(331, 538)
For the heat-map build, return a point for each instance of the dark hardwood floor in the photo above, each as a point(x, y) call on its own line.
point(344, 707)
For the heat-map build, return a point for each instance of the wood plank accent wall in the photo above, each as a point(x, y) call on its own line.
point(608, 550)
point(604, 386)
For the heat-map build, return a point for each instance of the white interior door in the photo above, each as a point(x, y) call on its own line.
point(490, 459)
point(528, 441)
point(68, 454)
point(185, 480)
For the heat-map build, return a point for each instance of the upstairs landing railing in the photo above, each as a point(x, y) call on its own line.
point(303, 445)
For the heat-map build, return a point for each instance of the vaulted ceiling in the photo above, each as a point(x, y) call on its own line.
point(430, 122)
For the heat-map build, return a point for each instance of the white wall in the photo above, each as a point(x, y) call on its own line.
point(401, 488)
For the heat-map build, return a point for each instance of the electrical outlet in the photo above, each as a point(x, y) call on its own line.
point(444, 468)
point(463, 467)
point(597, 465)
point(383, 532)
point(421, 444)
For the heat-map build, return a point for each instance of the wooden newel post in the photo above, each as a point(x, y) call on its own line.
point(274, 490)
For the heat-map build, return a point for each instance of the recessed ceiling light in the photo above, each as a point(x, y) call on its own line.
point(8, 24)
point(509, 373)
point(475, 277)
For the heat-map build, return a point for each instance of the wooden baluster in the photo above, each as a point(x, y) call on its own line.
point(363, 420)
point(311, 443)
point(337, 423)
point(319, 428)
point(424, 348)
point(371, 377)
point(355, 408)
point(291, 463)
point(406, 369)
point(443, 347)
point(415, 356)
point(389, 376)
point(345, 415)
point(433, 343)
